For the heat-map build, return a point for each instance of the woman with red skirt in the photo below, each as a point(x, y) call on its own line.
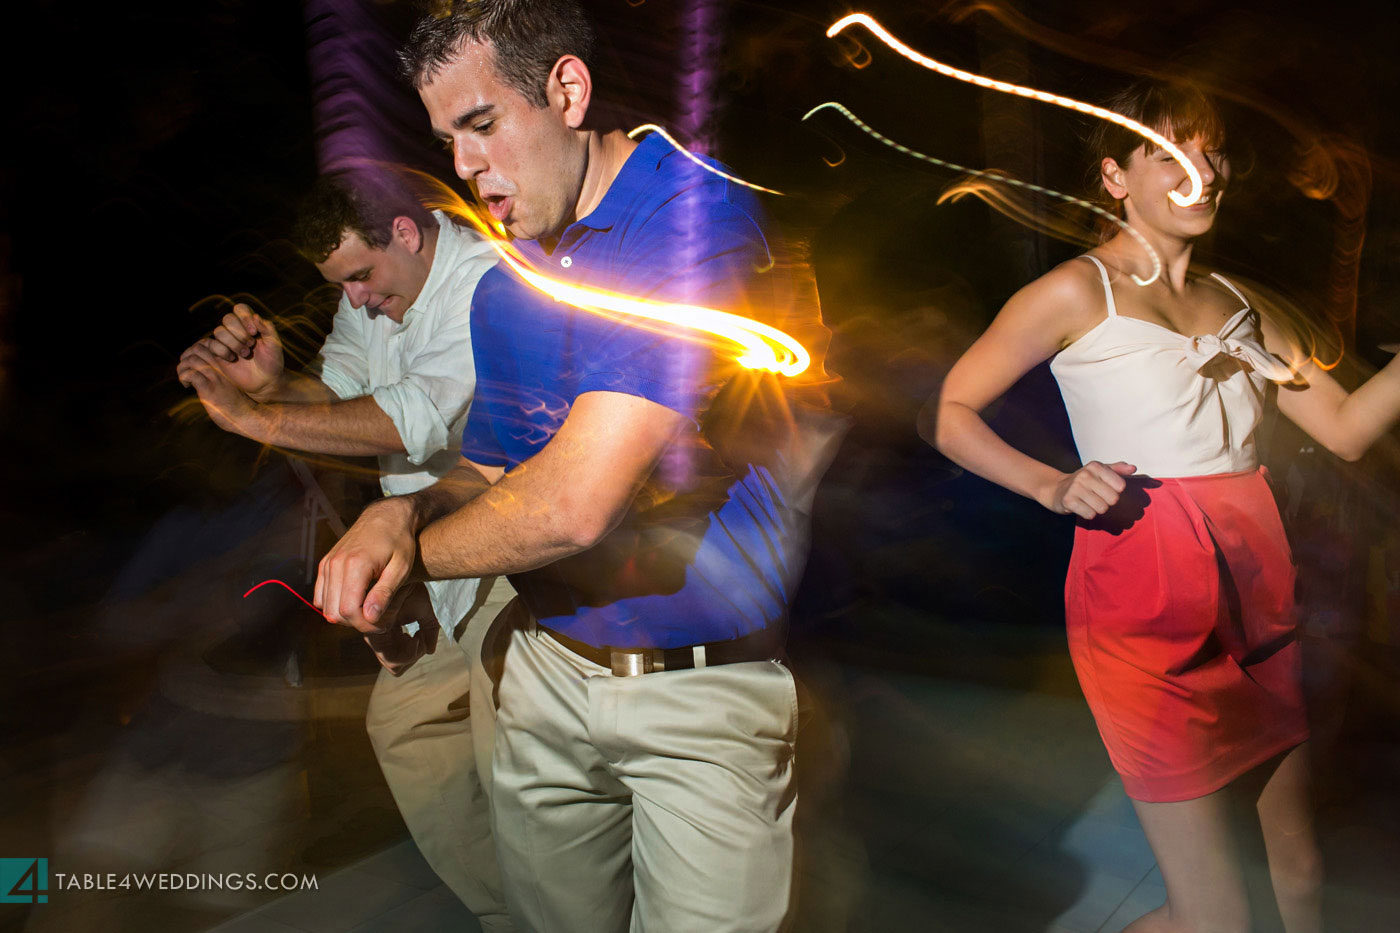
point(1179, 601)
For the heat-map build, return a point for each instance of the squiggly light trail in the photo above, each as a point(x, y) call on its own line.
point(289, 590)
point(1007, 87)
point(1003, 179)
point(652, 127)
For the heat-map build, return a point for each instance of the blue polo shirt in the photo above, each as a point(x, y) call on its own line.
point(709, 551)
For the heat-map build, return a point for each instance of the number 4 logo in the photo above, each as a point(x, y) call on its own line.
point(24, 881)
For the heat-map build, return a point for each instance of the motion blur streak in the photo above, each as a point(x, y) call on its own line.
point(1007, 87)
point(653, 128)
point(289, 590)
point(761, 346)
point(1329, 166)
point(999, 178)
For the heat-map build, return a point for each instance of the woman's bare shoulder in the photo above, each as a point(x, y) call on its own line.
point(1067, 301)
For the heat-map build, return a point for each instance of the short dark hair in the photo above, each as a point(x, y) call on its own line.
point(363, 202)
point(527, 36)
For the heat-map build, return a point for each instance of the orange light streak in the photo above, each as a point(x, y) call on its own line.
point(760, 345)
point(1069, 103)
point(652, 127)
point(763, 347)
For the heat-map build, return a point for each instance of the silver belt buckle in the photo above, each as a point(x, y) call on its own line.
point(631, 662)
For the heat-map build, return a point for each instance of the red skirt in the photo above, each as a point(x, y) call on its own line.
point(1179, 606)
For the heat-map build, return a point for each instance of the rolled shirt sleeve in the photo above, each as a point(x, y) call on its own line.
point(421, 405)
point(429, 402)
point(421, 374)
point(343, 363)
point(417, 416)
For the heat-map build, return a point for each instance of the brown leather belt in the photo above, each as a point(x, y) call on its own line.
point(630, 662)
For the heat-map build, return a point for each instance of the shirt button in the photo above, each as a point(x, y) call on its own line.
point(567, 261)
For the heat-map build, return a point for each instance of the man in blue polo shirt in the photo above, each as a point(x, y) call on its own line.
point(643, 761)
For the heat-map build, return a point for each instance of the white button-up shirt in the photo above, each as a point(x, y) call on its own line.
point(421, 373)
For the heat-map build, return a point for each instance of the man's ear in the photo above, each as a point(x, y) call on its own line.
point(1113, 180)
point(570, 89)
point(406, 232)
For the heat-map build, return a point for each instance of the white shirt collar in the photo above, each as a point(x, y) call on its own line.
point(444, 261)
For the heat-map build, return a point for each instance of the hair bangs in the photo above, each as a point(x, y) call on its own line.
point(1181, 113)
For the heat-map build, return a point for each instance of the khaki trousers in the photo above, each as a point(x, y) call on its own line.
point(431, 729)
point(659, 803)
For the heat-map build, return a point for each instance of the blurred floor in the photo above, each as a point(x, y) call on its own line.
point(967, 807)
point(952, 779)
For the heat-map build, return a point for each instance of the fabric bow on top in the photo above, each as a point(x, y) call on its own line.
point(1202, 350)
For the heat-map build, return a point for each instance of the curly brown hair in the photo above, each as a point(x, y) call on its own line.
point(360, 202)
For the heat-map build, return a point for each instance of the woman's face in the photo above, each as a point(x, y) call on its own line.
point(1144, 183)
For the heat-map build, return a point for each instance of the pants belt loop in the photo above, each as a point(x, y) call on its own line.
point(698, 653)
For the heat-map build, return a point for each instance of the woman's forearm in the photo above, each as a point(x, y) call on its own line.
point(963, 437)
point(1369, 413)
point(1345, 423)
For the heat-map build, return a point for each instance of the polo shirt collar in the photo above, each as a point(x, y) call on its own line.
point(632, 179)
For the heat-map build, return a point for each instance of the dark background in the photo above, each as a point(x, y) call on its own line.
point(154, 154)
point(156, 157)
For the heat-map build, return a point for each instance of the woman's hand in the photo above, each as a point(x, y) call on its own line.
point(1089, 491)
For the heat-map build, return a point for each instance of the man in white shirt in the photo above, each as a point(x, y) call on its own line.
point(394, 378)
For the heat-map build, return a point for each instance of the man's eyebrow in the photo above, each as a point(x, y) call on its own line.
point(472, 114)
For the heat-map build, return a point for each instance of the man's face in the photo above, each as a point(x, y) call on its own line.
point(382, 281)
point(526, 162)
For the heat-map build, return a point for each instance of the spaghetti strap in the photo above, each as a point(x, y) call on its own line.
point(1107, 288)
point(1226, 282)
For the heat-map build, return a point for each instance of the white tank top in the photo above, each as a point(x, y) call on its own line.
point(1169, 404)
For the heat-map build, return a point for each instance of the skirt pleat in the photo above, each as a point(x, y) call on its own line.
point(1180, 614)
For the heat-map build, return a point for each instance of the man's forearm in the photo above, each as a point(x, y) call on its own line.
point(453, 537)
point(500, 531)
point(355, 427)
point(298, 387)
point(451, 492)
point(560, 502)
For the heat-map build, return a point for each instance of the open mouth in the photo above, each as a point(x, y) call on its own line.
point(499, 205)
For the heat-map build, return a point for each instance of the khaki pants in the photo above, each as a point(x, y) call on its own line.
point(659, 803)
point(431, 729)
